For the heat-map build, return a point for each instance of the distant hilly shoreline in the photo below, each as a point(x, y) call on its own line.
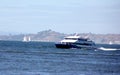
point(53, 36)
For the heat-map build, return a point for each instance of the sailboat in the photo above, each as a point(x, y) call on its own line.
point(26, 39)
point(110, 42)
point(29, 39)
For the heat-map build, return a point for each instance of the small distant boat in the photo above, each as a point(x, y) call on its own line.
point(26, 39)
point(110, 43)
point(76, 42)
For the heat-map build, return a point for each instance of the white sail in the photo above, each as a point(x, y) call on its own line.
point(29, 39)
point(24, 38)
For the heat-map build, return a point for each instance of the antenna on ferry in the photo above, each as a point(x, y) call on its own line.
point(87, 36)
point(76, 34)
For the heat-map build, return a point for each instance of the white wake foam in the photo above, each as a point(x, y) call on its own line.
point(107, 49)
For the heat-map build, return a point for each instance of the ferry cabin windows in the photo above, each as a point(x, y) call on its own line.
point(80, 39)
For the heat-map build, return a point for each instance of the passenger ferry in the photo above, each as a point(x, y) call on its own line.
point(76, 42)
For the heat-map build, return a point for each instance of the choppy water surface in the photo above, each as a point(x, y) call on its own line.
point(38, 58)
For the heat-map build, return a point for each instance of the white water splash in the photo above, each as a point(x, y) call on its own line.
point(107, 49)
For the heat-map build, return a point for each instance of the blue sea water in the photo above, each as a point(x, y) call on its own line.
point(43, 58)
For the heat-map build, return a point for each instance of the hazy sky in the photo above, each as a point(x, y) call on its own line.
point(67, 16)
